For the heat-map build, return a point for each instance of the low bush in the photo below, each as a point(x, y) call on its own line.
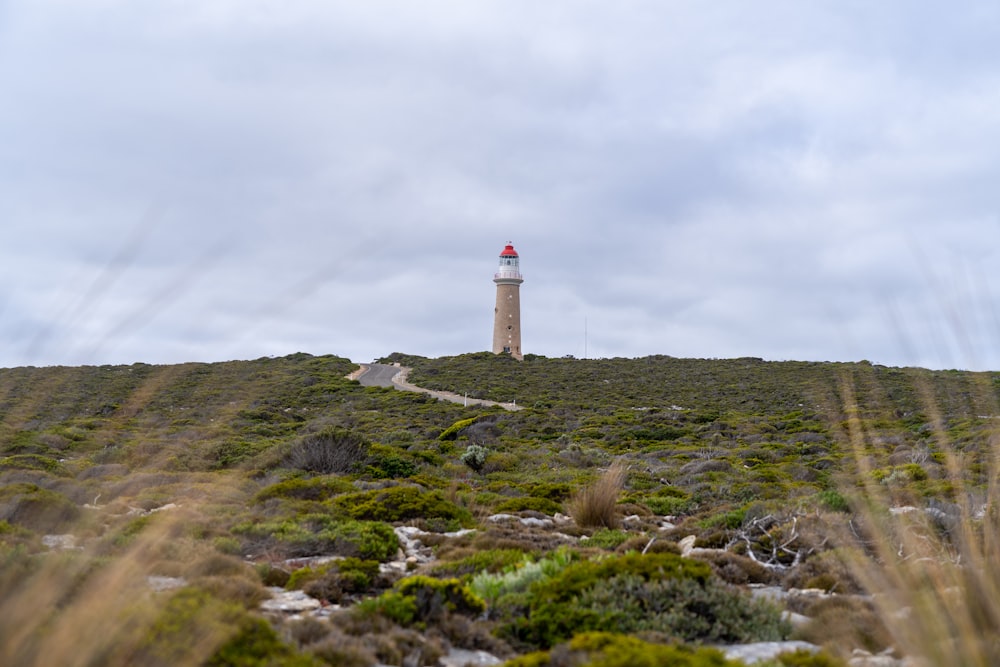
point(529, 503)
point(402, 503)
point(385, 462)
point(331, 450)
point(31, 462)
point(36, 508)
point(604, 649)
point(489, 560)
point(451, 433)
point(474, 457)
point(829, 570)
point(660, 592)
point(193, 627)
point(317, 488)
point(319, 534)
point(338, 580)
point(421, 600)
point(605, 538)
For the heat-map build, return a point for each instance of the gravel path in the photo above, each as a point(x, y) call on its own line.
point(385, 375)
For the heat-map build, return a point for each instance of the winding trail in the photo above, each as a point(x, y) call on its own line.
point(386, 375)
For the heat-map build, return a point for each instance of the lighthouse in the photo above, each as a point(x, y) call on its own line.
point(507, 314)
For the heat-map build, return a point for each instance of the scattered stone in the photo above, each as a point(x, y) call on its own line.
point(138, 511)
point(60, 541)
point(665, 524)
point(689, 550)
point(160, 584)
point(862, 658)
point(794, 619)
point(458, 657)
point(533, 522)
point(289, 602)
point(168, 506)
point(501, 518)
point(761, 651)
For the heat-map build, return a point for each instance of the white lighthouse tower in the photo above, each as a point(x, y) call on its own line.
point(507, 314)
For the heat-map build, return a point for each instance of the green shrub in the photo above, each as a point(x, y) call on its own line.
point(603, 649)
point(337, 579)
point(232, 452)
point(31, 462)
point(36, 508)
point(529, 503)
point(386, 462)
point(729, 520)
point(489, 560)
point(256, 643)
point(419, 600)
point(556, 491)
point(393, 605)
point(634, 593)
point(806, 658)
point(667, 505)
point(474, 457)
point(402, 503)
point(436, 596)
point(317, 488)
point(516, 579)
point(833, 500)
point(191, 623)
point(319, 534)
point(451, 433)
point(605, 538)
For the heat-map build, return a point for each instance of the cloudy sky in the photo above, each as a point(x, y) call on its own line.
point(202, 180)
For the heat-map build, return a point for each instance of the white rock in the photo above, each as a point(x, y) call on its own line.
point(796, 620)
point(460, 533)
point(289, 602)
point(165, 583)
point(59, 541)
point(537, 523)
point(500, 518)
point(760, 651)
point(458, 657)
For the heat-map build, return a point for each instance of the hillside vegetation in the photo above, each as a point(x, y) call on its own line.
point(227, 478)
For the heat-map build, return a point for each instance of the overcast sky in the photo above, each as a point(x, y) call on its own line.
point(203, 180)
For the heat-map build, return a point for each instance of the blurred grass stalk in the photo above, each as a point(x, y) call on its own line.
point(76, 609)
point(934, 574)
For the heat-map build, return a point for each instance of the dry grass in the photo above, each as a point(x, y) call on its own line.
point(596, 506)
point(72, 609)
point(936, 584)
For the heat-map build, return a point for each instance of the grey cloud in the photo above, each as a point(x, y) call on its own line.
point(783, 181)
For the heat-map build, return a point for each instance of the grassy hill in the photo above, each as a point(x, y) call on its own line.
point(217, 474)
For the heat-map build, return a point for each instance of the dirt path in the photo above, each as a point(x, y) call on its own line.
point(377, 374)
